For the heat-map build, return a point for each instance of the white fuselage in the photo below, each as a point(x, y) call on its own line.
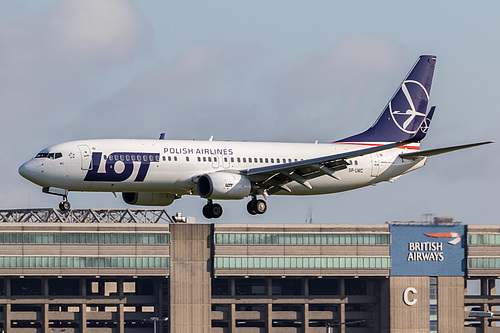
point(165, 166)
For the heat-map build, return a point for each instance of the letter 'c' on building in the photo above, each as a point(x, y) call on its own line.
point(406, 296)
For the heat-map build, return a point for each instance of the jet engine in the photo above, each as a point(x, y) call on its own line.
point(148, 199)
point(224, 185)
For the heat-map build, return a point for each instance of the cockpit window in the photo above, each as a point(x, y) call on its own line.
point(51, 156)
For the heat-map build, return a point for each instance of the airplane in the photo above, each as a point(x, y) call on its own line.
point(158, 172)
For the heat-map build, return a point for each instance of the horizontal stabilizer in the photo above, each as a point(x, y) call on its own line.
point(432, 152)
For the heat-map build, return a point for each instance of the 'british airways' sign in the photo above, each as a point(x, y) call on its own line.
point(427, 250)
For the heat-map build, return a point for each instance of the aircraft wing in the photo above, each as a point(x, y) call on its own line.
point(274, 178)
point(432, 152)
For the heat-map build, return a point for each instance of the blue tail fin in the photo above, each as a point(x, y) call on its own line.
point(406, 110)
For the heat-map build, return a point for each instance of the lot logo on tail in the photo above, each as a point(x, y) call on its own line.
point(403, 100)
point(454, 235)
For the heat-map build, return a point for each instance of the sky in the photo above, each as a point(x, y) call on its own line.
point(285, 71)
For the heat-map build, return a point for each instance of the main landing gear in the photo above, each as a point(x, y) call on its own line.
point(213, 211)
point(255, 206)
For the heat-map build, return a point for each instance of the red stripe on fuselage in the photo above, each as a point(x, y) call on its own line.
point(373, 145)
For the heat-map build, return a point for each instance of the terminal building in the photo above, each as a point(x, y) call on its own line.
point(107, 271)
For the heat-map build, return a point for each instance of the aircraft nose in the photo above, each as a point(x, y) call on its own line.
point(28, 170)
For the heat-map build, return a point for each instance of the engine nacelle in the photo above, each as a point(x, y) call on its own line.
point(224, 185)
point(148, 199)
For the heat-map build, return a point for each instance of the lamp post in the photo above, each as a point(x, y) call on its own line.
point(330, 325)
point(155, 320)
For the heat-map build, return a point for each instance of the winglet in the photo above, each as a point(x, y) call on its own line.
point(424, 127)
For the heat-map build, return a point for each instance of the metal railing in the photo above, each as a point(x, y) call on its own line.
point(51, 215)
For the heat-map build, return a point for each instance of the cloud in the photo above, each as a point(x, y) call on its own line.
point(184, 95)
point(49, 57)
point(344, 79)
point(353, 65)
point(49, 53)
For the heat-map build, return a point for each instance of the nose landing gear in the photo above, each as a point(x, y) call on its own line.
point(63, 205)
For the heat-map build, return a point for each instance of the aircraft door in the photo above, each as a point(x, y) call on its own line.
point(86, 157)
point(375, 165)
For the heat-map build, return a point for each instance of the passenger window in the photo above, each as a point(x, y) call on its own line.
point(199, 159)
point(164, 159)
point(175, 158)
point(238, 159)
point(261, 160)
point(225, 159)
point(215, 159)
point(157, 158)
point(272, 160)
point(204, 159)
point(277, 160)
point(244, 160)
point(122, 158)
point(289, 160)
point(210, 159)
point(187, 158)
point(355, 162)
point(232, 159)
point(127, 157)
point(170, 158)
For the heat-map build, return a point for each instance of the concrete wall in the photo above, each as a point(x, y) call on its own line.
point(190, 288)
point(409, 318)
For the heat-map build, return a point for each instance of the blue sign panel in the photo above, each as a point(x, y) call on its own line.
point(427, 250)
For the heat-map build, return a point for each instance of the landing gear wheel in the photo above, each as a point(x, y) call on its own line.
point(255, 207)
point(64, 206)
point(206, 211)
point(216, 210)
point(260, 206)
point(251, 208)
point(212, 211)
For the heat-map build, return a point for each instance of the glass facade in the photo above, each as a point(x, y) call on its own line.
point(303, 239)
point(484, 239)
point(83, 238)
point(484, 262)
point(84, 262)
point(302, 262)
point(433, 304)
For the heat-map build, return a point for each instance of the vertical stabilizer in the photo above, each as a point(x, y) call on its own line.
point(401, 118)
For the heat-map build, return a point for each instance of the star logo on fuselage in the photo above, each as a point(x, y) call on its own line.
point(403, 119)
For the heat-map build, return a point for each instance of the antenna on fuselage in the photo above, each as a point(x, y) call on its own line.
point(162, 136)
point(211, 138)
